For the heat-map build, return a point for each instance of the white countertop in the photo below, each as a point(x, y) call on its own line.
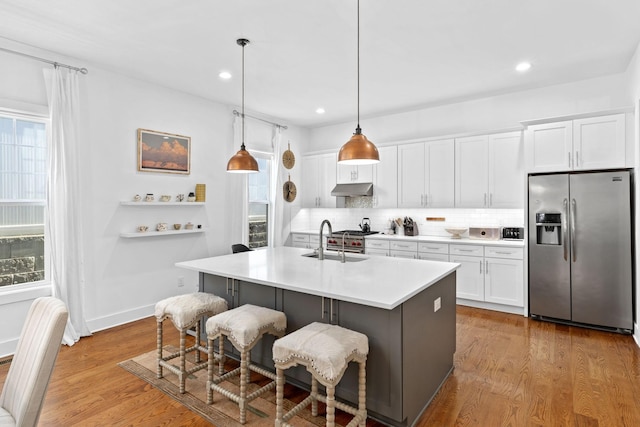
point(382, 282)
point(435, 239)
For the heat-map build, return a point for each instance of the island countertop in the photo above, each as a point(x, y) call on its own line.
point(381, 282)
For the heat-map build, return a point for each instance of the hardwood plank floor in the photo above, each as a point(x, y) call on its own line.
point(509, 371)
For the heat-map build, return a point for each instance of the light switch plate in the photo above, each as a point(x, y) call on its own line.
point(437, 303)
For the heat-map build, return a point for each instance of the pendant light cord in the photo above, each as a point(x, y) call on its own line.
point(244, 43)
point(358, 130)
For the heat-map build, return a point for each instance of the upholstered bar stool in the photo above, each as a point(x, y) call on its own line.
point(325, 350)
point(185, 311)
point(244, 326)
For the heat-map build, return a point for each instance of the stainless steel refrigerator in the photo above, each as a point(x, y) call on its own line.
point(581, 249)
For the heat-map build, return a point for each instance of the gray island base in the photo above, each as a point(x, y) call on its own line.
point(411, 339)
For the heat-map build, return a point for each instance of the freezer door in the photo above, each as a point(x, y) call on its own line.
point(549, 266)
point(601, 251)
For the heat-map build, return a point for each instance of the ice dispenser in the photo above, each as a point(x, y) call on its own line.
point(549, 228)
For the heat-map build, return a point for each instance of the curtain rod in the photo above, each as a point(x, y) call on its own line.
point(55, 64)
point(239, 114)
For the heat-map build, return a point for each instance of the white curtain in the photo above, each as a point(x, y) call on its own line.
point(64, 222)
point(238, 194)
point(278, 178)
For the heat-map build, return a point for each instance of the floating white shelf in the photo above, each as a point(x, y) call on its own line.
point(137, 234)
point(141, 203)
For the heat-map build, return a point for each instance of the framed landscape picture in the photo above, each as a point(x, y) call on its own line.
point(163, 152)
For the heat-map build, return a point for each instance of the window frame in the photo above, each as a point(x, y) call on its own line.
point(270, 158)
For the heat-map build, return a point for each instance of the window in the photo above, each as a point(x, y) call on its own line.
point(259, 205)
point(23, 180)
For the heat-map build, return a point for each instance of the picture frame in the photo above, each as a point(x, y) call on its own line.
point(163, 152)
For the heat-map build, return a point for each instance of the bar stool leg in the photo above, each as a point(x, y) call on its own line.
point(243, 386)
point(331, 406)
point(362, 394)
point(183, 342)
point(222, 356)
point(197, 342)
point(314, 396)
point(159, 348)
point(210, 371)
point(279, 396)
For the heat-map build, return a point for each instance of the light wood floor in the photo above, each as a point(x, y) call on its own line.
point(509, 371)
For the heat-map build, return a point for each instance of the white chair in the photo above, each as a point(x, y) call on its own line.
point(26, 383)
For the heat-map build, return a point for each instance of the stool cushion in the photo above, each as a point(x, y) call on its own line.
point(185, 310)
point(327, 348)
point(244, 325)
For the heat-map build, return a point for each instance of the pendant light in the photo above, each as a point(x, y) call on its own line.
point(242, 161)
point(358, 150)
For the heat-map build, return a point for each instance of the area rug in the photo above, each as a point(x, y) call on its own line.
point(223, 412)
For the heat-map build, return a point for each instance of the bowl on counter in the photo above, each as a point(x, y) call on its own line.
point(456, 232)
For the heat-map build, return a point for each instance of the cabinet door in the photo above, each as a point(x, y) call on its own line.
point(599, 142)
point(470, 277)
point(327, 180)
point(506, 170)
point(385, 178)
point(350, 173)
point(310, 184)
point(504, 281)
point(440, 175)
point(472, 164)
point(384, 361)
point(402, 254)
point(549, 147)
point(411, 175)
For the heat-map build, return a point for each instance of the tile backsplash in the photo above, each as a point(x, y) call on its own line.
point(349, 218)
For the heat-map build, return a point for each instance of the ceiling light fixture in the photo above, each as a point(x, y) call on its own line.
point(358, 150)
point(224, 75)
point(523, 66)
point(242, 161)
point(320, 110)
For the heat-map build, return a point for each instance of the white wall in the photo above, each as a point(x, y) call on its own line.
point(487, 114)
point(125, 277)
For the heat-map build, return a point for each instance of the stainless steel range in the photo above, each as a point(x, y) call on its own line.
point(353, 240)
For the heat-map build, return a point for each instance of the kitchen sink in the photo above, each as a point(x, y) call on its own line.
point(334, 257)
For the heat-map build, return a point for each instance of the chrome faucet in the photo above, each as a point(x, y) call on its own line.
point(343, 258)
point(321, 249)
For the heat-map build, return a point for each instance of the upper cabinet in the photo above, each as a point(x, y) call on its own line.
point(489, 171)
point(579, 144)
point(385, 178)
point(318, 179)
point(426, 174)
point(353, 174)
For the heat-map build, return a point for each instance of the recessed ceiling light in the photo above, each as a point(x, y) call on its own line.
point(320, 110)
point(523, 66)
point(224, 75)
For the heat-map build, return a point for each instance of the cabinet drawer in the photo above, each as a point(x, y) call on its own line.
point(433, 257)
point(403, 254)
point(433, 248)
point(376, 244)
point(300, 238)
point(404, 246)
point(496, 252)
point(470, 250)
point(314, 239)
point(377, 252)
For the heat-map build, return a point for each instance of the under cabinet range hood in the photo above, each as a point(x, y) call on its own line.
point(353, 190)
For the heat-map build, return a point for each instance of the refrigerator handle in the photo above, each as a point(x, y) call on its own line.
point(573, 229)
point(565, 203)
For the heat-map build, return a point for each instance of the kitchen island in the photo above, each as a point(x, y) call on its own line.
point(405, 307)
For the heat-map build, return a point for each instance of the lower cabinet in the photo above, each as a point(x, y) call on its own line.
point(376, 247)
point(403, 249)
point(433, 251)
point(304, 240)
point(490, 274)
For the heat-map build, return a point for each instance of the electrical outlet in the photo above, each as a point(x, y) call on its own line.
point(180, 281)
point(437, 303)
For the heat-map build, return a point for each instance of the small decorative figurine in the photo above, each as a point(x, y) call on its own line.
point(180, 197)
point(188, 226)
point(142, 228)
point(177, 226)
point(191, 197)
point(137, 198)
point(162, 226)
point(148, 197)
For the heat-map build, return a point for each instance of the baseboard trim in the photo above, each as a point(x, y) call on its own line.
point(491, 306)
point(120, 318)
point(636, 334)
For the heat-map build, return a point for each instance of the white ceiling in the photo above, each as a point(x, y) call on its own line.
point(302, 55)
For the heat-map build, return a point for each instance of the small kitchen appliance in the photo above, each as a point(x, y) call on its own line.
point(512, 233)
point(365, 225)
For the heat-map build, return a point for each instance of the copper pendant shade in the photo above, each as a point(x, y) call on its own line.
point(358, 150)
point(242, 161)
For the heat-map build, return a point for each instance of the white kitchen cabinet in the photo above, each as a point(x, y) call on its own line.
point(353, 174)
point(489, 171)
point(376, 247)
point(318, 179)
point(304, 240)
point(385, 178)
point(579, 144)
point(490, 274)
point(403, 249)
point(433, 251)
point(426, 174)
